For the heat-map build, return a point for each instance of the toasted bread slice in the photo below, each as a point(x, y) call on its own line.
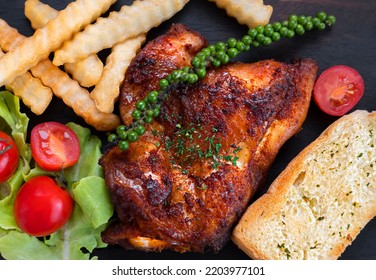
point(321, 201)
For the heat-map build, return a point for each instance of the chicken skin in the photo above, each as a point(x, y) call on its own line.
point(185, 183)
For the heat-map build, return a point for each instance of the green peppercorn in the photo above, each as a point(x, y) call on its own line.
point(163, 84)
point(202, 56)
point(201, 72)
point(216, 62)
point(220, 46)
point(123, 145)
point(136, 114)
point(156, 112)
point(112, 138)
point(330, 20)
point(153, 96)
point(276, 36)
point(293, 17)
point(321, 16)
point(141, 105)
point(255, 44)
point(240, 46)
point(267, 41)
point(192, 78)
point(176, 74)
point(184, 76)
point(232, 42)
point(140, 130)
point(196, 62)
point(252, 33)
point(247, 40)
point(260, 29)
point(232, 52)
point(132, 136)
point(123, 135)
point(290, 34)
point(315, 22)
point(321, 26)
point(260, 37)
point(292, 24)
point(120, 129)
point(299, 29)
point(220, 54)
point(148, 119)
point(169, 79)
point(308, 26)
point(212, 48)
point(283, 31)
point(277, 26)
point(268, 31)
point(206, 52)
point(302, 20)
point(225, 59)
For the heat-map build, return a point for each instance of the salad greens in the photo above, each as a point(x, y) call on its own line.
point(92, 211)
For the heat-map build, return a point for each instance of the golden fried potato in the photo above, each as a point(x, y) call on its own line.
point(61, 84)
point(129, 22)
point(249, 12)
point(75, 97)
point(107, 90)
point(39, 13)
point(45, 40)
point(31, 91)
point(86, 71)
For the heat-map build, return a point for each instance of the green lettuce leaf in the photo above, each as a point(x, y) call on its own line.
point(15, 123)
point(92, 211)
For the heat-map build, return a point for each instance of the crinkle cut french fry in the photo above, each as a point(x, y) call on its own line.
point(75, 96)
point(31, 91)
point(249, 12)
point(129, 22)
point(63, 86)
point(107, 90)
point(45, 40)
point(86, 71)
point(39, 13)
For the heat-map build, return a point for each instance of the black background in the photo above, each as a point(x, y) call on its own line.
point(351, 41)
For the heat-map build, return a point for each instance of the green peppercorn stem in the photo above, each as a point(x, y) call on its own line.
point(214, 55)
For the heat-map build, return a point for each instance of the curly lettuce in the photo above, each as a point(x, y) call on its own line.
point(92, 211)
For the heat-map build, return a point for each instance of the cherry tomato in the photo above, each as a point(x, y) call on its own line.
point(8, 157)
point(54, 146)
point(41, 207)
point(338, 89)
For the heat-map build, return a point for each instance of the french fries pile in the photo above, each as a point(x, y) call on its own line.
point(75, 35)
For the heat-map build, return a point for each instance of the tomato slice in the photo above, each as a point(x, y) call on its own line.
point(8, 157)
point(54, 146)
point(338, 89)
point(41, 207)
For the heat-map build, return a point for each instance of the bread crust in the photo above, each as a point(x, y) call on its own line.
point(270, 204)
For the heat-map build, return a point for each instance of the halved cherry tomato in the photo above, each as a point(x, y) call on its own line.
point(54, 146)
point(8, 157)
point(338, 89)
point(41, 207)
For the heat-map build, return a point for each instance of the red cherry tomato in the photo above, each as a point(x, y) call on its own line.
point(8, 157)
point(54, 146)
point(41, 207)
point(338, 89)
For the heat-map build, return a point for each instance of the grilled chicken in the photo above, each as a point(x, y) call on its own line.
point(185, 183)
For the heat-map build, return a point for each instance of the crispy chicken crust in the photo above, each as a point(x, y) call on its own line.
point(186, 182)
